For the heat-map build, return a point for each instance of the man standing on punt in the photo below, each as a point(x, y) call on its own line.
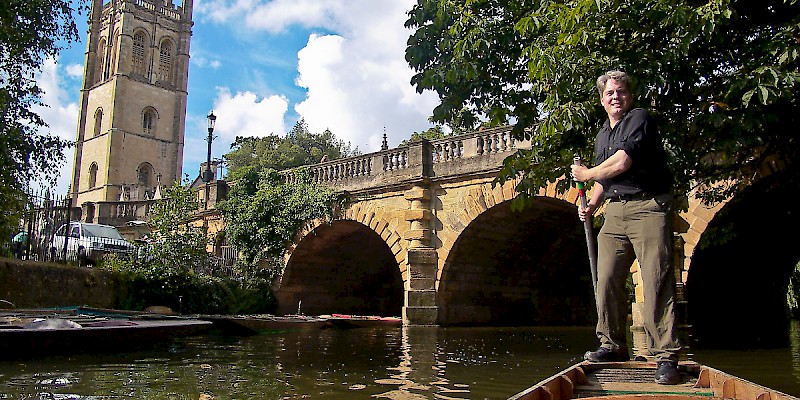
point(631, 172)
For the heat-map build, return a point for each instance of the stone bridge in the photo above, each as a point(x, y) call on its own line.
point(429, 236)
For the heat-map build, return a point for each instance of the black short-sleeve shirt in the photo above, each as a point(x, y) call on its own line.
point(637, 134)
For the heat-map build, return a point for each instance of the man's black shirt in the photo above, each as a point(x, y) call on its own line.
point(636, 134)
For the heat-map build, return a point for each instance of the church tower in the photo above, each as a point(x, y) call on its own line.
point(133, 101)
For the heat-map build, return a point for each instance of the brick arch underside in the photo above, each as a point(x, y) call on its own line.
point(736, 284)
point(525, 268)
point(343, 268)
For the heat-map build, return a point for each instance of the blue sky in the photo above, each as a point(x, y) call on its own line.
point(263, 64)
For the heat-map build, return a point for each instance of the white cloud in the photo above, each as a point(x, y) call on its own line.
point(358, 83)
point(274, 15)
point(61, 115)
point(224, 10)
point(278, 15)
point(240, 114)
point(74, 70)
point(246, 114)
point(202, 62)
point(356, 78)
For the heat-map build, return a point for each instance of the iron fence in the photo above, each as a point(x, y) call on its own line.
point(50, 230)
point(42, 215)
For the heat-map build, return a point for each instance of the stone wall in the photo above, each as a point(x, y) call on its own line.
point(28, 284)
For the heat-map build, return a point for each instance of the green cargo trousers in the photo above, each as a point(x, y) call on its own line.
point(637, 229)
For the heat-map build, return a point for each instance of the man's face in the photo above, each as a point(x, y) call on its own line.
point(616, 100)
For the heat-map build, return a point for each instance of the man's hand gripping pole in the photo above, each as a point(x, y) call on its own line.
point(587, 228)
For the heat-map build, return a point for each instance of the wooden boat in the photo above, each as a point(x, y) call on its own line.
point(361, 321)
point(636, 381)
point(78, 330)
point(253, 324)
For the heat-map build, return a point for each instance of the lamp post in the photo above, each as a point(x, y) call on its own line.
point(207, 174)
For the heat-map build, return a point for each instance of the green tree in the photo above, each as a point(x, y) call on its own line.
point(263, 213)
point(720, 76)
point(31, 31)
point(298, 147)
point(433, 133)
point(177, 245)
point(175, 270)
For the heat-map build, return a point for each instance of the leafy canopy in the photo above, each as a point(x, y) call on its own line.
point(31, 31)
point(298, 147)
point(263, 212)
point(720, 76)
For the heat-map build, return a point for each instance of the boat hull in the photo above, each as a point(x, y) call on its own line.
point(636, 381)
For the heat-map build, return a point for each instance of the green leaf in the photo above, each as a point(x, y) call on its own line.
point(763, 94)
point(747, 96)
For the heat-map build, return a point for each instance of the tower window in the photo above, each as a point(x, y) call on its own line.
point(92, 175)
point(101, 60)
point(165, 62)
point(149, 121)
point(138, 59)
point(112, 65)
point(144, 174)
point(98, 121)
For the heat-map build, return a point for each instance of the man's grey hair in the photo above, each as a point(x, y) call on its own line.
point(618, 76)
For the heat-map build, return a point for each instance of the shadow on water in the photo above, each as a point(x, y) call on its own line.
point(381, 362)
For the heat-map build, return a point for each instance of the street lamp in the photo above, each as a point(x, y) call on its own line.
point(207, 174)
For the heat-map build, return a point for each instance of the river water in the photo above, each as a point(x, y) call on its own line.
point(383, 362)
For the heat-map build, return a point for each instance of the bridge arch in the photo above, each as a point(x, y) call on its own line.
point(497, 266)
point(736, 285)
point(341, 267)
point(527, 267)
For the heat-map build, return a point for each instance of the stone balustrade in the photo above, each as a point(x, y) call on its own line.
point(475, 152)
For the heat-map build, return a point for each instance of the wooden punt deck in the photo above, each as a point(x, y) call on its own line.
point(636, 380)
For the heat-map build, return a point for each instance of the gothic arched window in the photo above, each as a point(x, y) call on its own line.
point(101, 60)
point(144, 174)
point(93, 175)
point(112, 65)
point(98, 121)
point(149, 121)
point(165, 62)
point(138, 53)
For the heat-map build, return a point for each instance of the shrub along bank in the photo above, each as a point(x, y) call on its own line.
point(30, 284)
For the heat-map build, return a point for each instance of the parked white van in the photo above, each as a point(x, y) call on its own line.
point(88, 243)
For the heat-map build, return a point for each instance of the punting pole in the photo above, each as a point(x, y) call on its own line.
point(587, 228)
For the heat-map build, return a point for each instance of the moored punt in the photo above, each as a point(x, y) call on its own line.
point(44, 332)
point(361, 321)
point(252, 324)
point(636, 380)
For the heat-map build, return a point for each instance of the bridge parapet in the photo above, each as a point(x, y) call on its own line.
point(474, 152)
point(476, 144)
point(382, 168)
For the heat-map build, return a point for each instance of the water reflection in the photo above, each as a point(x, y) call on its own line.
point(388, 363)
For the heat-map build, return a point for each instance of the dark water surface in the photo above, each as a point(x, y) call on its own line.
point(390, 363)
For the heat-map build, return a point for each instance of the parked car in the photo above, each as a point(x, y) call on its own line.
point(88, 243)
